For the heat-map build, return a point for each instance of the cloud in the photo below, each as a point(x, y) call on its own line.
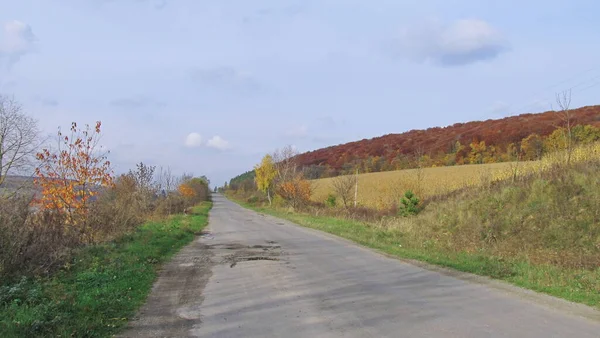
point(456, 44)
point(217, 142)
point(226, 77)
point(193, 140)
point(16, 40)
point(136, 102)
point(297, 132)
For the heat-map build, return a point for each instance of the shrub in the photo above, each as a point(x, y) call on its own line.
point(171, 204)
point(296, 191)
point(31, 243)
point(409, 204)
point(330, 201)
point(278, 201)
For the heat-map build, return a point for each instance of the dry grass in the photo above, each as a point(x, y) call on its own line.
point(384, 189)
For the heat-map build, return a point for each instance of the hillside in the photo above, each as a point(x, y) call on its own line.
point(12, 183)
point(438, 141)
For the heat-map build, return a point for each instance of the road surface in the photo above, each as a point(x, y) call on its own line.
point(258, 276)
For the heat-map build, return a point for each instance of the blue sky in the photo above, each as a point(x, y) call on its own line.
point(210, 86)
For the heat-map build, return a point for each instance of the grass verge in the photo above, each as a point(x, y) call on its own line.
point(101, 288)
point(577, 285)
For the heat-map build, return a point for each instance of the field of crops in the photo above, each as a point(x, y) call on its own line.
point(382, 189)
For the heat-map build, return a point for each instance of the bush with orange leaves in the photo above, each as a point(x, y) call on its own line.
point(74, 174)
point(296, 191)
point(194, 190)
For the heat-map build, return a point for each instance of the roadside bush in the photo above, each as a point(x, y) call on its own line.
point(296, 192)
point(330, 201)
point(31, 243)
point(171, 204)
point(278, 201)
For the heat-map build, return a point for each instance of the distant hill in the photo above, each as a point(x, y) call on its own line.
point(25, 185)
point(436, 141)
point(14, 182)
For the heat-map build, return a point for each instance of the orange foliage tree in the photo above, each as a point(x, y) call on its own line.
point(296, 191)
point(186, 191)
point(73, 174)
point(194, 190)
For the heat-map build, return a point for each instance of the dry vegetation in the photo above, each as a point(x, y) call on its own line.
point(383, 190)
point(74, 200)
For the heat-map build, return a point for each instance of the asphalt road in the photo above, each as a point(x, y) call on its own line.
point(258, 276)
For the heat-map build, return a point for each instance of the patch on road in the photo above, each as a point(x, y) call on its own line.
point(246, 253)
point(174, 306)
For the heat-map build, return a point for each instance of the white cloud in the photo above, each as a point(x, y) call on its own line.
point(218, 143)
point(459, 43)
point(16, 40)
point(193, 140)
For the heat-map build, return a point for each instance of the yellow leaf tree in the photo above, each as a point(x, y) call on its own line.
point(265, 175)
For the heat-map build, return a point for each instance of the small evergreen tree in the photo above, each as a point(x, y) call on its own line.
point(409, 204)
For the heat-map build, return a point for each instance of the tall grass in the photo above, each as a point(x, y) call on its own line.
point(101, 287)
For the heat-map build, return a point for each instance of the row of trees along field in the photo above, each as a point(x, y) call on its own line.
point(522, 137)
point(75, 198)
point(278, 176)
point(532, 147)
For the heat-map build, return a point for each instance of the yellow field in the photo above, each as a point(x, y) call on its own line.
point(382, 189)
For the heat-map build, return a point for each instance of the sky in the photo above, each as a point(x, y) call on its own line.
point(210, 86)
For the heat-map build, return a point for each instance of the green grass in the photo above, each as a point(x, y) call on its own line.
point(578, 285)
point(101, 288)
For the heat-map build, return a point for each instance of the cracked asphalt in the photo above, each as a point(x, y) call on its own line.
point(258, 276)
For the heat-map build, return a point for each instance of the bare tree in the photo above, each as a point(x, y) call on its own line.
point(563, 100)
point(144, 176)
point(344, 187)
point(185, 177)
point(19, 138)
point(165, 180)
point(285, 163)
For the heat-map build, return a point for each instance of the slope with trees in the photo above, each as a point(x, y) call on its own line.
point(461, 143)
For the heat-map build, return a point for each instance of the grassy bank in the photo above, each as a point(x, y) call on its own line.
point(101, 288)
point(541, 233)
